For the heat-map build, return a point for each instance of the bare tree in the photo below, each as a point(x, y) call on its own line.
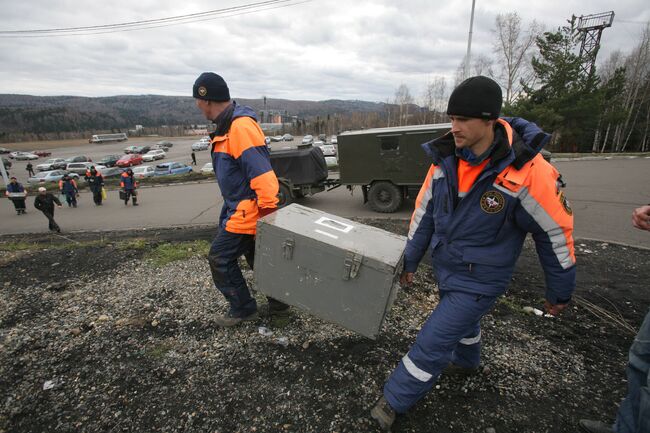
point(483, 65)
point(403, 99)
point(514, 47)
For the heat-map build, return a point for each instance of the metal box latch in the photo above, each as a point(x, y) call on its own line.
point(287, 248)
point(351, 265)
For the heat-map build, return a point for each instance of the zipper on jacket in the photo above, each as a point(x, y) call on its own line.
point(470, 267)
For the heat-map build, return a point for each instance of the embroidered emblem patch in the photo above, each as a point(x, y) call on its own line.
point(203, 91)
point(565, 203)
point(492, 202)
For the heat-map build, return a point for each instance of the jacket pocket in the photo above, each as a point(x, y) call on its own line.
point(488, 256)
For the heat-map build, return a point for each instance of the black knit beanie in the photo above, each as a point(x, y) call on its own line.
point(478, 97)
point(211, 87)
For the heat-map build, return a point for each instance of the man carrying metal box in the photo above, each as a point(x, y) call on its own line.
point(488, 187)
point(241, 163)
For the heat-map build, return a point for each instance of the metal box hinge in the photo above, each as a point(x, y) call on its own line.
point(287, 248)
point(351, 265)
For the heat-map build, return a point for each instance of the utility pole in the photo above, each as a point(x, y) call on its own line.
point(468, 56)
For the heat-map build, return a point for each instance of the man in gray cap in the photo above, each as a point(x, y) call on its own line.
point(242, 166)
point(44, 202)
point(487, 188)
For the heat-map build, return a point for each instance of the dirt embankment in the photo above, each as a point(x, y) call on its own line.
point(95, 337)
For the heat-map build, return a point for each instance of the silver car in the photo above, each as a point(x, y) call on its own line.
point(50, 176)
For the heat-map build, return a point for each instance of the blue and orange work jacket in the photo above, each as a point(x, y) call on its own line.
point(241, 162)
point(475, 217)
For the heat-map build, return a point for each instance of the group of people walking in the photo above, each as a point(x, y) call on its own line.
point(69, 191)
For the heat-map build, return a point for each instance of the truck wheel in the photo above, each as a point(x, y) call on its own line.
point(385, 197)
point(284, 195)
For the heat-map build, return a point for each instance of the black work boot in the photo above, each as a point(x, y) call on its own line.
point(383, 414)
point(135, 201)
point(590, 426)
point(228, 321)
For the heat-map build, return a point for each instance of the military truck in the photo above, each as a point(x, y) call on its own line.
point(388, 164)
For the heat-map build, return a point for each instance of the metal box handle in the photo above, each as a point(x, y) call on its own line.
point(287, 248)
point(351, 266)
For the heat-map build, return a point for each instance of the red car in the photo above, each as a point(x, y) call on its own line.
point(41, 153)
point(129, 160)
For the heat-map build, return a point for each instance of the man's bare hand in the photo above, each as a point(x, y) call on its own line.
point(641, 217)
point(406, 279)
point(554, 310)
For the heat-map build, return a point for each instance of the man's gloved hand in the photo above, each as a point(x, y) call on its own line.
point(264, 211)
point(406, 279)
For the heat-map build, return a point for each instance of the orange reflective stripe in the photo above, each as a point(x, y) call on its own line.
point(266, 188)
point(467, 174)
point(422, 199)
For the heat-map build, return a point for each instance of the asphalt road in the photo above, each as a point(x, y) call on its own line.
point(603, 194)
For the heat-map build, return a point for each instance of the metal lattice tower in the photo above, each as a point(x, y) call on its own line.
point(592, 27)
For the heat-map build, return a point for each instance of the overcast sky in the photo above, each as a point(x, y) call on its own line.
point(320, 49)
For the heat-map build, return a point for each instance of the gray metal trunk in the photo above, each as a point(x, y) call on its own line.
point(340, 270)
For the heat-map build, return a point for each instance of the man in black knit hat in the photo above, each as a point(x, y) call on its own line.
point(487, 188)
point(242, 166)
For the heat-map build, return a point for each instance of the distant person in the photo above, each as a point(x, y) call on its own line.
point(44, 202)
point(487, 188)
point(193, 158)
point(30, 169)
point(129, 186)
point(634, 413)
point(249, 186)
point(17, 194)
point(68, 188)
point(95, 182)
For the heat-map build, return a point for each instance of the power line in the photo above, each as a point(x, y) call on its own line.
point(154, 23)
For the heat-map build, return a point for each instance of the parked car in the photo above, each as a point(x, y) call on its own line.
point(207, 168)
point(79, 168)
point(111, 171)
point(287, 137)
point(328, 149)
point(153, 155)
point(142, 149)
point(109, 160)
point(331, 161)
point(307, 139)
point(129, 160)
point(276, 138)
point(267, 140)
point(4, 150)
point(202, 144)
point(78, 158)
point(41, 153)
point(165, 144)
point(172, 168)
point(130, 149)
point(6, 162)
point(52, 164)
point(50, 176)
point(322, 137)
point(22, 156)
point(334, 140)
point(143, 171)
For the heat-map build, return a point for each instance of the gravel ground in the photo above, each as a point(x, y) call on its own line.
point(97, 339)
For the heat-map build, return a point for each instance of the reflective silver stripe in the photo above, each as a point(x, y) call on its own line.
point(461, 194)
point(471, 340)
point(414, 371)
point(552, 229)
point(505, 190)
point(438, 174)
point(419, 212)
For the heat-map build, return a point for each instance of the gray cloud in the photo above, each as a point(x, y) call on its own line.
point(324, 49)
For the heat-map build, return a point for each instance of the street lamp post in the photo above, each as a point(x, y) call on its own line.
point(468, 56)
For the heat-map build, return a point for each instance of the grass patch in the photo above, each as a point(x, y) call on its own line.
point(18, 246)
point(169, 252)
point(133, 244)
point(159, 351)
